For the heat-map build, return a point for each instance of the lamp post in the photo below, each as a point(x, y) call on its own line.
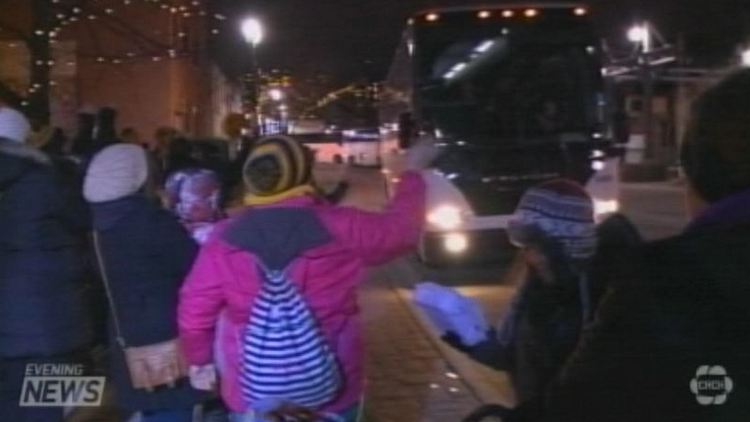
point(642, 36)
point(253, 33)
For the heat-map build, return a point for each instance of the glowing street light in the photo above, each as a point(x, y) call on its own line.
point(252, 31)
point(641, 35)
point(276, 94)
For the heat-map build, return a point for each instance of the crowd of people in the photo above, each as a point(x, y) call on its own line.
point(252, 315)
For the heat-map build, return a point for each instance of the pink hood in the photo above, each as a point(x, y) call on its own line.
point(216, 299)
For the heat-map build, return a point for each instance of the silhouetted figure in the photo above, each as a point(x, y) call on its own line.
point(83, 141)
point(105, 132)
point(57, 143)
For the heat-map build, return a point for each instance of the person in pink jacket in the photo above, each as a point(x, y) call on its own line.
point(327, 249)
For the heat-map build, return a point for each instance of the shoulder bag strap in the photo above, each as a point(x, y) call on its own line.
point(108, 290)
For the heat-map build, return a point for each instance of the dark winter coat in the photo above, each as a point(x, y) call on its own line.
point(538, 333)
point(42, 281)
point(147, 254)
point(679, 306)
point(544, 322)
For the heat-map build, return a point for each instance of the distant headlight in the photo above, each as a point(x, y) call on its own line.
point(446, 217)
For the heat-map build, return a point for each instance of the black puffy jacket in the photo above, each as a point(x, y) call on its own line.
point(147, 254)
point(43, 309)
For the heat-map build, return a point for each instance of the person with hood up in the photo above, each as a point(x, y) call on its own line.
point(554, 226)
point(43, 317)
point(325, 249)
point(144, 254)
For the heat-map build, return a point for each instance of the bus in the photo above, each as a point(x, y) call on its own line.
point(362, 146)
point(516, 96)
point(327, 147)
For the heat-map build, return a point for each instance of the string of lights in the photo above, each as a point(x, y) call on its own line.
point(113, 16)
point(70, 14)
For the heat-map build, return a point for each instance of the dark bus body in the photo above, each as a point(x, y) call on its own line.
point(515, 95)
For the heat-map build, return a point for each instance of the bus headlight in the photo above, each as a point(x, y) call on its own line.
point(602, 207)
point(456, 243)
point(446, 217)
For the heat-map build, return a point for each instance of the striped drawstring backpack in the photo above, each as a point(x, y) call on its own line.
point(286, 358)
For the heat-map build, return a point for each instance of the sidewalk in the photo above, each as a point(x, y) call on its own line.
point(409, 380)
point(414, 376)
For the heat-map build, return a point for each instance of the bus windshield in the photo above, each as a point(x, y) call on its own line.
point(494, 83)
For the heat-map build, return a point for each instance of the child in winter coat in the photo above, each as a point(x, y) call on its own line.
point(194, 195)
point(323, 248)
point(554, 225)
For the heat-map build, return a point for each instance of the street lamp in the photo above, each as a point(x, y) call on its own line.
point(253, 33)
point(276, 94)
point(641, 35)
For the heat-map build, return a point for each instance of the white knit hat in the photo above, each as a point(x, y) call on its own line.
point(116, 172)
point(13, 125)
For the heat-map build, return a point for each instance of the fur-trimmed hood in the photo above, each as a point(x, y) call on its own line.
point(16, 159)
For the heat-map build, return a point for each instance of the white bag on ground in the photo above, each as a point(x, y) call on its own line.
point(449, 310)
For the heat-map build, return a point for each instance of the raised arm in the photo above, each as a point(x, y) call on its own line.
point(381, 237)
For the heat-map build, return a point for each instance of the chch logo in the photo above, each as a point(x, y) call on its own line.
point(711, 385)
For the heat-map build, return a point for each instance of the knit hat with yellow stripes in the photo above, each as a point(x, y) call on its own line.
point(276, 166)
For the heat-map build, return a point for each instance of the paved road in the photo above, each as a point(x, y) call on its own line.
point(656, 208)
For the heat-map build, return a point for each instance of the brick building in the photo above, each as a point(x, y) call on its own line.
point(149, 59)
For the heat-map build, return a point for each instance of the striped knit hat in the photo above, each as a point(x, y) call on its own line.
point(276, 165)
point(560, 210)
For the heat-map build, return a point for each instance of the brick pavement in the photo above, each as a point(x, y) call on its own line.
point(409, 379)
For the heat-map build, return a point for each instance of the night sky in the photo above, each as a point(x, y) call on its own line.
point(349, 39)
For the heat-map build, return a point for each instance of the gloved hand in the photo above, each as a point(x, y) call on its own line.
point(203, 377)
point(422, 154)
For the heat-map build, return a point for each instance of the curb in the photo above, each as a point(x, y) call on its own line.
point(487, 385)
